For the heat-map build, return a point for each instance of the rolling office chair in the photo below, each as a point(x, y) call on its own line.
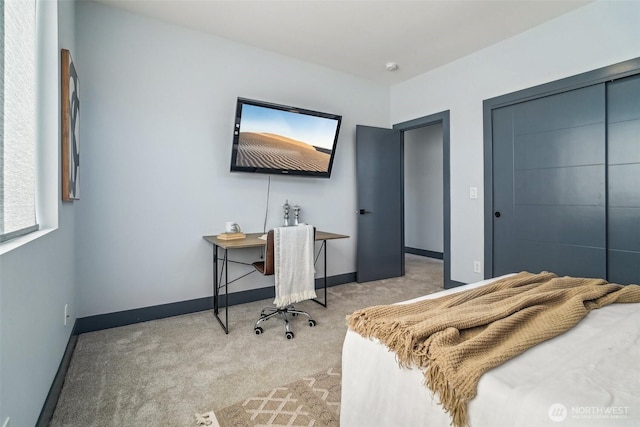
point(268, 268)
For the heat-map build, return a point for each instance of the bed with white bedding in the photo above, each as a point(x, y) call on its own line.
point(588, 376)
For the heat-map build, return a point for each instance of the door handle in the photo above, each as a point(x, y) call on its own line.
point(363, 211)
point(497, 214)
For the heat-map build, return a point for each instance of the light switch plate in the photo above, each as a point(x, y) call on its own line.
point(473, 192)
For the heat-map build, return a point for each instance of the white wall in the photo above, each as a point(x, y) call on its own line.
point(158, 105)
point(423, 188)
point(594, 36)
point(37, 278)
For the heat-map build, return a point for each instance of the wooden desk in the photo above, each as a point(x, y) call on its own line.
point(252, 240)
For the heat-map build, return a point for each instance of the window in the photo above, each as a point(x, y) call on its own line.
point(17, 118)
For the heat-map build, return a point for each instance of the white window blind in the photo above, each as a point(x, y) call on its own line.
point(17, 119)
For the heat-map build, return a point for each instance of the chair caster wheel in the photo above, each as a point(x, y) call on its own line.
point(289, 335)
point(312, 323)
point(258, 330)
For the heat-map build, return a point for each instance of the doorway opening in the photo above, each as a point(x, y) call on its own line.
point(423, 206)
point(426, 196)
point(423, 201)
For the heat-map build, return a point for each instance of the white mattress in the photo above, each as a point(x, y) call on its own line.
point(588, 376)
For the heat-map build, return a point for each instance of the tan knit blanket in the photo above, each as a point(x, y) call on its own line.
point(458, 337)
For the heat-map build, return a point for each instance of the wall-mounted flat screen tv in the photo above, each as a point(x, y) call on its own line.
point(283, 140)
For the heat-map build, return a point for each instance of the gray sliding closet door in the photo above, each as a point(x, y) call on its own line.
point(623, 136)
point(549, 185)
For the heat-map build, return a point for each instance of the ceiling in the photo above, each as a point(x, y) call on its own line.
point(358, 36)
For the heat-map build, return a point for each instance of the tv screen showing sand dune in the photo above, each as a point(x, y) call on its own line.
point(269, 151)
point(285, 140)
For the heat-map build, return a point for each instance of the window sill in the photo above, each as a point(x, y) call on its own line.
point(12, 244)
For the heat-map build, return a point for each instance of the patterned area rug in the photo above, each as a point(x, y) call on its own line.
point(310, 401)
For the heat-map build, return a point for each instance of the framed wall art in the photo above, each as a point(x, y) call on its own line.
point(70, 129)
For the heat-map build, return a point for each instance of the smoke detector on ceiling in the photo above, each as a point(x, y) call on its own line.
point(391, 66)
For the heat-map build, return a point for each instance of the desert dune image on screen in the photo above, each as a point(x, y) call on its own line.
point(276, 139)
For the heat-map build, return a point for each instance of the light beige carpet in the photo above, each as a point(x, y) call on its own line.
point(163, 372)
point(313, 400)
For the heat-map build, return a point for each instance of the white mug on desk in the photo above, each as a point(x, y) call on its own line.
point(231, 227)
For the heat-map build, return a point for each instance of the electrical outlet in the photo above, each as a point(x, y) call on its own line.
point(66, 313)
point(477, 267)
point(7, 422)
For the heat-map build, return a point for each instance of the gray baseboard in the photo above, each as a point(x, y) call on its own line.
point(424, 252)
point(129, 317)
point(58, 381)
point(453, 284)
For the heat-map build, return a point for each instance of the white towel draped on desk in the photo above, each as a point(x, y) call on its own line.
point(293, 264)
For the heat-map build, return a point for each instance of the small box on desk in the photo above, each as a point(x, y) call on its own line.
point(231, 236)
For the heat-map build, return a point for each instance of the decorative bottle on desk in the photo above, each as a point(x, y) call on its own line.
point(286, 213)
point(296, 215)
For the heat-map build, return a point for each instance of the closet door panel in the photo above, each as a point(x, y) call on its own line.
point(560, 148)
point(624, 228)
point(569, 225)
point(623, 99)
point(549, 184)
point(623, 210)
point(571, 186)
point(565, 110)
point(624, 142)
point(505, 254)
point(562, 259)
point(624, 267)
point(570, 194)
point(624, 185)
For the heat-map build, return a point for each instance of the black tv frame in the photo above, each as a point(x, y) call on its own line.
point(277, 170)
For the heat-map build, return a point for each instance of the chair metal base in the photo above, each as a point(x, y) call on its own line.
point(269, 312)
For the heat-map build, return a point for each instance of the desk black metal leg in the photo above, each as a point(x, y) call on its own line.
point(226, 292)
point(216, 290)
point(215, 279)
point(325, 272)
point(324, 248)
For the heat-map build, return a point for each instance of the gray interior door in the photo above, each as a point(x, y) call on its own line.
point(623, 161)
point(379, 169)
point(549, 185)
